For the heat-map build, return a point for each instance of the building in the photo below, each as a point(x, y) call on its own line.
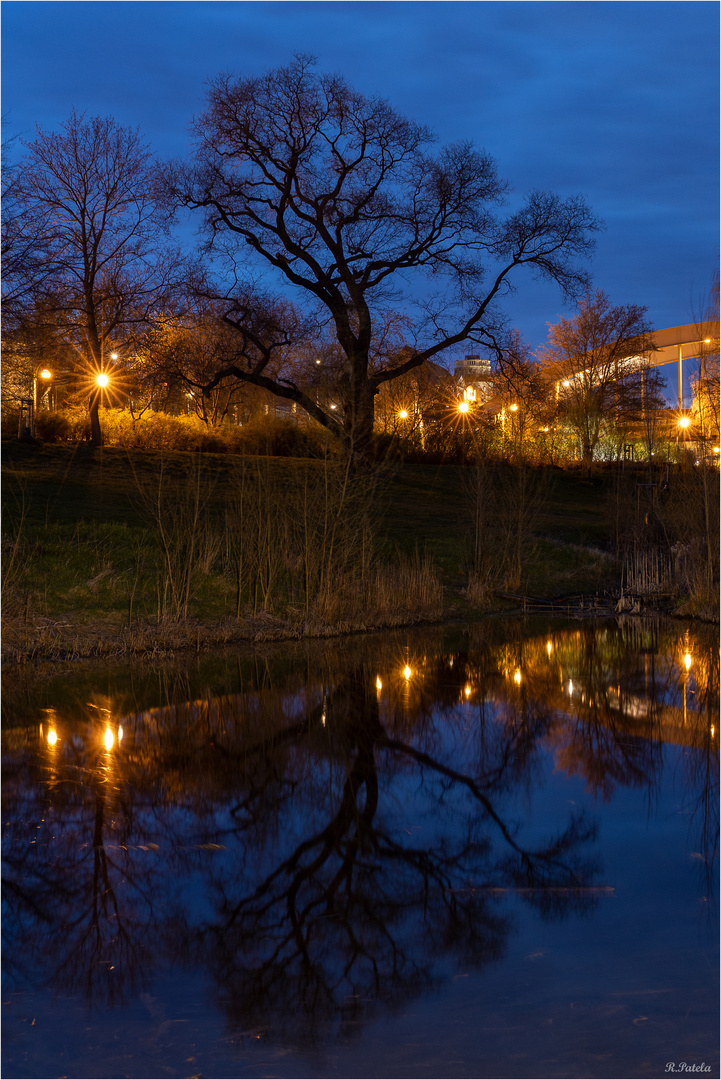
point(474, 377)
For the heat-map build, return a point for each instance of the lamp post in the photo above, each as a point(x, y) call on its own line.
point(684, 423)
point(46, 376)
point(101, 381)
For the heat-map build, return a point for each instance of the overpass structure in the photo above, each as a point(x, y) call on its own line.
point(677, 344)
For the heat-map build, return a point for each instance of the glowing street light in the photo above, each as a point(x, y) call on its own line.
point(463, 406)
point(403, 415)
point(684, 422)
point(407, 673)
point(102, 379)
point(45, 375)
point(513, 408)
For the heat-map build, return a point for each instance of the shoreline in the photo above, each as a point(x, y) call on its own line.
point(43, 641)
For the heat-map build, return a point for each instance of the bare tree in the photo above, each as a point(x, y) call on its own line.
point(187, 352)
point(343, 200)
point(594, 362)
point(87, 205)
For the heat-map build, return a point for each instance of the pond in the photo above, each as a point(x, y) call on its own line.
point(472, 851)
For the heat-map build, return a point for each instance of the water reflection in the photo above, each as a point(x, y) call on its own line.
point(330, 843)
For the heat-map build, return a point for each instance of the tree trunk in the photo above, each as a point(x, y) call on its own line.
point(96, 435)
point(359, 419)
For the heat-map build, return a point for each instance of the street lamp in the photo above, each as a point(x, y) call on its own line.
point(463, 406)
point(101, 381)
point(45, 375)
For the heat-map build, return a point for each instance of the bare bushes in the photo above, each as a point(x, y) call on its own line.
point(689, 513)
point(274, 539)
point(264, 434)
point(666, 524)
point(301, 541)
point(187, 539)
point(405, 591)
point(504, 503)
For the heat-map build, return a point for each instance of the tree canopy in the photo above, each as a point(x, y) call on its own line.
point(87, 215)
point(348, 203)
point(598, 364)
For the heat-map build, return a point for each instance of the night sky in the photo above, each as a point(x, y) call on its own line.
point(617, 101)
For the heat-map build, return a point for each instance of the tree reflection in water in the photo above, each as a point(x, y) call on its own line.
point(328, 846)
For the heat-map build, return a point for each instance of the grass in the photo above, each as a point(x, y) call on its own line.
point(82, 572)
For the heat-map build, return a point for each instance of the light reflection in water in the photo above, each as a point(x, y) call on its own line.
point(347, 845)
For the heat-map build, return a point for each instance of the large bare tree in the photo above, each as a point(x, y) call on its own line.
point(346, 201)
point(86, 209)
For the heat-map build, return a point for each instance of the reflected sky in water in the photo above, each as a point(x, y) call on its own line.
point(483, 851)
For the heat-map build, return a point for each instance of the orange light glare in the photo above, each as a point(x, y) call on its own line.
point(403, 414)
point(684, 422)
point(687, 661)
point(379, 684)
point(407, 672)
point(467, 691)
point(513, 408)
point(517, 678)
point(549, 647)
point(463, 406)
point(109, 739)
point(52, 737)
point(45, 374)
point(102, 379)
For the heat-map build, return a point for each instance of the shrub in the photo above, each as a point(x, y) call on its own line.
point(53, 427)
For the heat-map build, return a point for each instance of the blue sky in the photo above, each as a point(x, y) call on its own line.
point(617, 101)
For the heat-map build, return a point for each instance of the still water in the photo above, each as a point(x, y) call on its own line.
point(483, 851)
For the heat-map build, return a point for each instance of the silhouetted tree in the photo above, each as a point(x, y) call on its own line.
point(343, 198)
point(87, 214)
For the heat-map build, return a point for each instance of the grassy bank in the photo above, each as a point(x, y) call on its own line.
point(110, 551)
